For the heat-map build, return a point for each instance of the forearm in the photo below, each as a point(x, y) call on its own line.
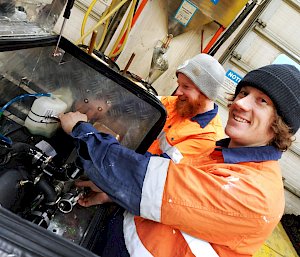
point(115, 169)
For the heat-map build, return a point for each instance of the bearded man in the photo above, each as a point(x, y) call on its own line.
point(193, 124)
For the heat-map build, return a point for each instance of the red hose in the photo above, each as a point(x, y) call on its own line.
point(135, 17)
point(214, 39)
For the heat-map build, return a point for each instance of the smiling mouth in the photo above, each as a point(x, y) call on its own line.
point(239, 119)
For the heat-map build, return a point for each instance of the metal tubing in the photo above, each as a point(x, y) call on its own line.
point(92, 42)
point(128, 64)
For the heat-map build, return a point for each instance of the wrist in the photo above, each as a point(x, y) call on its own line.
point(77, 125)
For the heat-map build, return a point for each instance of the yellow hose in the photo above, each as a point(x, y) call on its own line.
point(101, 21)
point(126, 37)
point(120, 35)
point(106, 25)
point(127, 24)
point(112, 54)
point(86, 17)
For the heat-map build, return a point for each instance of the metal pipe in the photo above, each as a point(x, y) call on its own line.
point(92, 43)
point(128, 64)
point(167, 41)
point(202, 39)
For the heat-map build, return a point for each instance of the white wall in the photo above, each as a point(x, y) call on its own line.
point(151, 26)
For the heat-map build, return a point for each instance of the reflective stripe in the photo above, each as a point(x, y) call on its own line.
point(170, 150)
point(174, 154)
point(136, 248)
point(132, 241)
point(153, 188)
point(199, 247)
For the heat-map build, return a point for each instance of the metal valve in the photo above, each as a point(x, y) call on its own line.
point(68, 200)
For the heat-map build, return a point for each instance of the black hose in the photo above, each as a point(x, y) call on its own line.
point(48, 190)
point(15, 155)
point(248, 8)
point(12, 195)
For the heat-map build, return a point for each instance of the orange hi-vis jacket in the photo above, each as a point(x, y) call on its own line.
point(232, 199)
point(187, 138)
point(235, 207)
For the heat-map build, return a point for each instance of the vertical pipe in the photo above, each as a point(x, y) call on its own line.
point(214, 39)
point(92, 42)
point(128, 64)
point(202, 39)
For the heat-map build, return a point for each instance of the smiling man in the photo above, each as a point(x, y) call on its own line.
point(252, 113)
point(231, 199)
point(193, 124)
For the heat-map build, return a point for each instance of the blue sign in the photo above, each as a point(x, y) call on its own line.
point(283, 59)
point(215, 1)
point(236, 78)
point(185, 12)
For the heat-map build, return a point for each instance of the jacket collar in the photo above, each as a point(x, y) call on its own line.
point(247, 154)
point(204, 118)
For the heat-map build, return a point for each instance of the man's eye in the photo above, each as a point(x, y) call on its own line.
point(264, 101)
point(243, 93)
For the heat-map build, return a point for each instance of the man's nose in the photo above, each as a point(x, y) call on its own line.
point(178, 92)
point(245, 103)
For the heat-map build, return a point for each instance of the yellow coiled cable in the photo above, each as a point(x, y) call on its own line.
point(109, 14)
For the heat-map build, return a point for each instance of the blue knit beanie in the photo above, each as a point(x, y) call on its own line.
point(281, 82)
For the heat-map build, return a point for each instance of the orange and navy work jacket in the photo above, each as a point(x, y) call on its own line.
point(187, 138)
point(232, 199)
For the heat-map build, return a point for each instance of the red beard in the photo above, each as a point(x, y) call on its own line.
point(187, 108)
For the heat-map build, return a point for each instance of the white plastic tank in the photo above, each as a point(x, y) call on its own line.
point(42, 118)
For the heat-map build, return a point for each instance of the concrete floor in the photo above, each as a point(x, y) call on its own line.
point(277, 245)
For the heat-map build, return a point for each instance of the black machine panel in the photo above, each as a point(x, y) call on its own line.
point(38, 164)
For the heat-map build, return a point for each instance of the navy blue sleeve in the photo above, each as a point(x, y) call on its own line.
point(115, 169)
